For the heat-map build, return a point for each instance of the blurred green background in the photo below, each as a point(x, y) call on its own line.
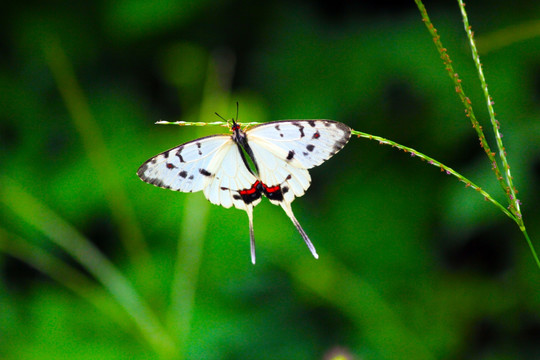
point(412, 264)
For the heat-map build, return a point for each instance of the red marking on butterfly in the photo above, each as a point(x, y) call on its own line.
point(271, 189)
point(251, 190)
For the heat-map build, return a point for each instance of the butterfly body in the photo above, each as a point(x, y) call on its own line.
point(281, 153)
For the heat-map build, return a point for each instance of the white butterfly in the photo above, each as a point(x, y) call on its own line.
point(281, 152)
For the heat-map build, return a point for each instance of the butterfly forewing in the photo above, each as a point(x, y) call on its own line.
point(307, 142)
point(284, 150)
point(186, 167)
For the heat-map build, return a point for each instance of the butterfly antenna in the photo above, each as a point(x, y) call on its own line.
point(249, 211)
point(221, 117)
point(288, 210)
point(237, 111)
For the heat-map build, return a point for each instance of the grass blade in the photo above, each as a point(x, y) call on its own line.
point(82, 250)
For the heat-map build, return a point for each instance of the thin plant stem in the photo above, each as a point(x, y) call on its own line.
point(335, 283)
point(414, 153)
point(529, 242)
point(506, 182)
point(64, 274)
point(200, 123)
point(446, 169)
point(194, 224)
point(76, 245)
point(94, 145)
point(509, 189)
point(507, 36)
point(461, 93)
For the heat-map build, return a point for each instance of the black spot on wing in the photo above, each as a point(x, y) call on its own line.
point(300, 128)
point(316, 135)
point(290, 155)
point(171, 166)
point(310, 147)
point(183, 174)
point(190, 177)
point(237, 197)
point(179, 155)
point(199, 147)
point(311, 123)
point(205, 172)
point(279, 131)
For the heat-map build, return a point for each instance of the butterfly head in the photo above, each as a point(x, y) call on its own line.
point(235, 127)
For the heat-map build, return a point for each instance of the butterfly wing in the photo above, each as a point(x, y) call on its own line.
point(212, 164)
point(230, 178)
point(284, 150)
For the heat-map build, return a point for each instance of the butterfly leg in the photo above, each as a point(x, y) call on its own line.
point(288, 210)
point(249, 210)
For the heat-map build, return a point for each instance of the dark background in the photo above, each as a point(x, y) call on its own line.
point(412, 264)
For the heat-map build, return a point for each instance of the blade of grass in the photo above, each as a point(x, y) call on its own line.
point(94, 144)
point(68, 238)
point(506, 182)
point(195, 219)
point(501, 38)
point(448, 170)
point(382, 328)
point(64, 274)
point(461, 93)
point(510, 189)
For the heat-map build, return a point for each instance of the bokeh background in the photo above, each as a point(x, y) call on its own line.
point(95, 264)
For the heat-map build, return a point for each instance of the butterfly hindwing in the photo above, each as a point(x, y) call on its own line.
point(230, 177)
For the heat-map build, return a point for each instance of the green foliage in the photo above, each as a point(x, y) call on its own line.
point(96, 264)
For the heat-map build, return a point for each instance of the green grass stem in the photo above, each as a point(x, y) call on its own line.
point(77, 246)
point(94, 145)
point(507, 36)
point(506, 182)
point(459, 90)
point(65, 274)
point(195, 221)
point(335, 283)
point(509, 189)
point(446, 169)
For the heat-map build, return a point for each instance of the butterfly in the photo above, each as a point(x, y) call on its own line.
point(271, 159)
